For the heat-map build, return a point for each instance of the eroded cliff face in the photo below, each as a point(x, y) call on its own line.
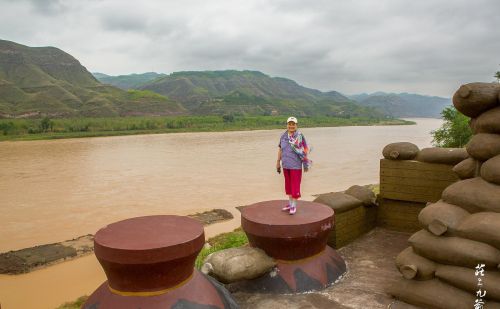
point(37, 81)
point(29, 67)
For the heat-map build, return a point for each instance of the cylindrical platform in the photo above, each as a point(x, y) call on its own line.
point(149, 263)
point(297, 242)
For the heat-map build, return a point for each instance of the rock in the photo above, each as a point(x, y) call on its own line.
point(454, 250)
point(465, 279)
point(467, 168)
point(441, 217)
point(414, 266)
point(338, 201)
point(212, 216)
point(400, 151)
point(365, 195)
point(484, 146)
point(490, 170)
point(450, 156)
point(482, 226)
point(237, 264)
point(474, 195)
point(28, 259)
point(431, 294)
point(487, 122)
point(475, 98)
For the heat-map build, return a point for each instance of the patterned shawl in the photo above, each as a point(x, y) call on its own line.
point(299, 146)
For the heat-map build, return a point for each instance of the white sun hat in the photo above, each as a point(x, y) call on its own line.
point(292, 119)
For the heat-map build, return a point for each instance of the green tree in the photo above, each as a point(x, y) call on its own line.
point(497, 76)
point(46, 124)
point(455, 131)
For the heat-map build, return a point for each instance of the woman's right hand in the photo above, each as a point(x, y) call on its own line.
point(278, 167)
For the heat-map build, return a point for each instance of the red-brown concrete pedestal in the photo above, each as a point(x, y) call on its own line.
point(297, 242)
point(149, 263)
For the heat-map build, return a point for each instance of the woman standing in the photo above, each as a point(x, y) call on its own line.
point(292, 155)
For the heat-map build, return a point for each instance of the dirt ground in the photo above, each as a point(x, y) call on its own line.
point(371, 268)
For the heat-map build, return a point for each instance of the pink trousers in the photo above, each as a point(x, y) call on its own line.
point(292, 182)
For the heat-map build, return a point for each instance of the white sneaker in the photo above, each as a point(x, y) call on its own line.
point(293, 210)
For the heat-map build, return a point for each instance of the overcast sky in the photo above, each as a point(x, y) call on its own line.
point(421, 46)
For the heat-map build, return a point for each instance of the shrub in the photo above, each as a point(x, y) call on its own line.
point(228, 118)
point(6, 127)
point(455, 131)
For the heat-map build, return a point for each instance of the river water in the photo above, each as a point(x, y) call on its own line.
point(56, 190)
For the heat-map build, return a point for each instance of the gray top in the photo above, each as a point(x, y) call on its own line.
point(289, 159)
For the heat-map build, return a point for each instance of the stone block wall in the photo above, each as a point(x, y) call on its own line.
point(406, 186)
point(351, 224)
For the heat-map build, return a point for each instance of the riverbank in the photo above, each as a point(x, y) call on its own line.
point(43, 129)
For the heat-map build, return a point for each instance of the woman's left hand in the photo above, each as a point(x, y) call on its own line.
point(306, 169)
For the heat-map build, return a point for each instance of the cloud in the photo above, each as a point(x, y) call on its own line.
point(47, 7)
point(423, 46)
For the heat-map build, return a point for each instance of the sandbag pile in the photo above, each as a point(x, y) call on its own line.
point(354, 197)
point(462, 230)
point(355, 213)
point(408, 151)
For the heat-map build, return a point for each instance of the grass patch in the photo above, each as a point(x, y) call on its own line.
point(77, 304)
point(237, 238)
point(375, 188)
point(40, 129)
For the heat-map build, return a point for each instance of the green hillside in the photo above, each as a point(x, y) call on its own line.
point(131, 81)
point(36, 81)
point(252, 92)
point(404, 104)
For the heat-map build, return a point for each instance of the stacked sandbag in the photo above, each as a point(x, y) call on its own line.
point(340, 202)
point(362, 193)
point(450, 156)
point(400, 151)
point(237, 264)
point(414, 266)
point(407, 151)
point(468, 168)
point(441, 217)
point(462, 230)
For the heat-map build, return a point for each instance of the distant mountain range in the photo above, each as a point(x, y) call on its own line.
point(252, 92)
point(403, 104)
point(37, 81)
point(256, 92)
point(241, 92)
